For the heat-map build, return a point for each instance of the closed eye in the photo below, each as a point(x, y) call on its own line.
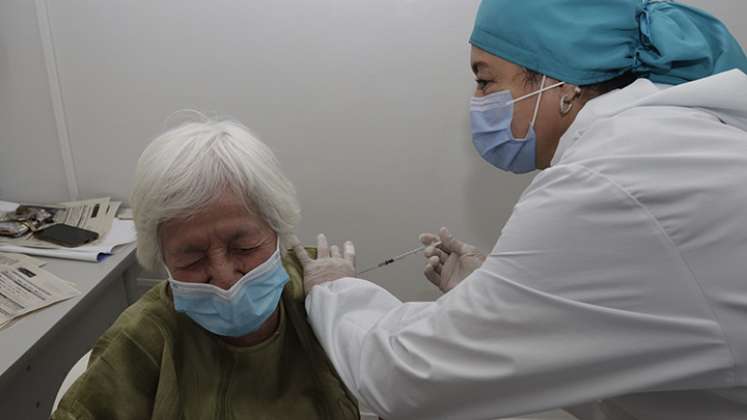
point(245, 251)
point(482, 83)
point(191, 265)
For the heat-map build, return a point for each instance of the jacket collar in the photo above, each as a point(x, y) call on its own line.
point(723, 95)
point(600, 107)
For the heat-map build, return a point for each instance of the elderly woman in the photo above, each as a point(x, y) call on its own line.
point(226, 336)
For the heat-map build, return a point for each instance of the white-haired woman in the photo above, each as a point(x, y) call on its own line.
point(226, 336)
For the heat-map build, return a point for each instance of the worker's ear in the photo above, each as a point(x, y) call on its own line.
point(569, 95)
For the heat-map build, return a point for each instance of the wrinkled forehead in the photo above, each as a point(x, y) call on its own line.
point(224, 219)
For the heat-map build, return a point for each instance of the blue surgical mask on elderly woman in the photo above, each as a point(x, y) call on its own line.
point(491, 117)
point(240, 310)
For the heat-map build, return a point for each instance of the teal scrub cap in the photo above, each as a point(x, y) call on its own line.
point(591, 41)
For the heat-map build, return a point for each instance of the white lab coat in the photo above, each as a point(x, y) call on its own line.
point(619, 281)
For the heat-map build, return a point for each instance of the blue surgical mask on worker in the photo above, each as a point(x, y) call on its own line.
point(240, 310)
point(491, 117)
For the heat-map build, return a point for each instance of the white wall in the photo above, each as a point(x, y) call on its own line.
point(731, 12)
point(31, 167)
point(365, 104)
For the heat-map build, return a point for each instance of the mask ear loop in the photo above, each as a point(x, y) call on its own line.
point(537, 104)
point(541, 90)
point(536, 92)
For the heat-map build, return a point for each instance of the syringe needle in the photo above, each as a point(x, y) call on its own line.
point(398, 257)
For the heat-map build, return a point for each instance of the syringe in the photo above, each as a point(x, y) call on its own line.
point(398, 257)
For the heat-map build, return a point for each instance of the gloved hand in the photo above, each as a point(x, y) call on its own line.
point(329, 264)
point(449, 262)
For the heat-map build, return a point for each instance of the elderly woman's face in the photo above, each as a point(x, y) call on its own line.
point(217, 245)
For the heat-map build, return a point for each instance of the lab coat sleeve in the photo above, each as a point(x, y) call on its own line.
point(584, 297)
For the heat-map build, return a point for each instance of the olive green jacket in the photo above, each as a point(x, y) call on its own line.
point(157, 363)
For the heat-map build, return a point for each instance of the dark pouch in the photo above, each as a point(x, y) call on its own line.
point(66, 235)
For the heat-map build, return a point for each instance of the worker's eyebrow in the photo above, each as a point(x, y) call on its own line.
point(477, 65)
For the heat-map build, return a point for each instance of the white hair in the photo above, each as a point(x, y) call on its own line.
point(184, 169)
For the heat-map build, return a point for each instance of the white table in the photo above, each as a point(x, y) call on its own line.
point(37, 350)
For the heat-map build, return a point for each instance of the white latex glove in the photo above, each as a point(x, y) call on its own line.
point(329, 264)
point(449, 262)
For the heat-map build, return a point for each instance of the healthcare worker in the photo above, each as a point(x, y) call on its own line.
point(618, 287)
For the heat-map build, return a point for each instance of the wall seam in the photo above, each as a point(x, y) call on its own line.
point(55, 93)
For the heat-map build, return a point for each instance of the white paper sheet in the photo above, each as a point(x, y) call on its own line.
point(26, 288)
point(7, 258)
point(7, 206)
point(122, 232)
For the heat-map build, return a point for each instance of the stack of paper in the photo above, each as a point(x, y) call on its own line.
point(96, 215)
point(25, 287)
point(122, 232)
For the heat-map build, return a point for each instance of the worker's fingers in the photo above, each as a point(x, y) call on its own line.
point(435, 262)
point(427, 238)
point(349, 252)
point(460, 247)
point(334, 251)
point(431, 275)
point(429, 252)
point(445, 236)
point(451, 244)
point(432, 251)
point(301, 253)
point(322, 246)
